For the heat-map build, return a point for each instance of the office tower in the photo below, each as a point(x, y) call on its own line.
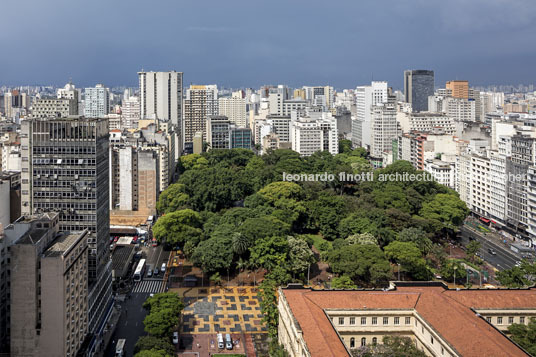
point(460, 109)
point(96, 101)
point(222, 134)
point(200, 103)
point(70, 92)
point(49, 295)
point(16, 104)
point(459, 89)
point(54, 108)
point(366, 97)
point(72, 156)
point(130, 112)
point(320, 96)
point(418, 86)
point(316, 131)
point(384, 127)
point(234, 108)
point(161, 96)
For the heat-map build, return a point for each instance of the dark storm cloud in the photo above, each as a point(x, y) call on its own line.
point(248, 43)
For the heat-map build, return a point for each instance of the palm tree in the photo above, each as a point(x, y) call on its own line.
point(240, 243)
point(241, 264)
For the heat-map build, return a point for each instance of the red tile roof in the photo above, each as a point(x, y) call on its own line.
point(448, 312)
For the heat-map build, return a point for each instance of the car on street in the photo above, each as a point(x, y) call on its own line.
point(163, 269)
point(156, 271)
point(492, 251)
point(149, 272)
point(135, 239)
point(175, 337)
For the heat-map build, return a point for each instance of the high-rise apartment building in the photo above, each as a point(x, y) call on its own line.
point(459, 89)
point(315, 132)
point(49, 288)
point(223, 134)
point(366, 97)
point(418, 86)
point(69, 91)
point(234, 108)
point(161, 96)
point(384, 127)
point(200, 103)
point(96, 101)
point(130, 112)
point(66, 171)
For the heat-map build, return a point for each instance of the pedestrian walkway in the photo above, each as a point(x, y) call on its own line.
point(148, 286)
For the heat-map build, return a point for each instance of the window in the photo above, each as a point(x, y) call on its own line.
point(432, 340)
point(352, 320)
point(352, 342)
point(363, 341)
point(374, 341)
point(341, 320)
point(374, 320)
point(488, 319)
point(385, 320)
point(397, 320)
point(408, 320)
point(442, 350)
point(522, 320)
point(499, 320)
point(363, 321)
point(510, 320)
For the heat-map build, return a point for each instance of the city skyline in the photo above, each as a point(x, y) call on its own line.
point(356, 42)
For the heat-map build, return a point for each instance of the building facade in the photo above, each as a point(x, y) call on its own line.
point(418, 86)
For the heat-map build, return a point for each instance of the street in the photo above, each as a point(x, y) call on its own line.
point(504, 259)
point(130, 325)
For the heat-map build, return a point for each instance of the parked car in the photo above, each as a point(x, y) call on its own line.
point(163, 269)
point(155, 271)
point(149, 272)
point(175, 337)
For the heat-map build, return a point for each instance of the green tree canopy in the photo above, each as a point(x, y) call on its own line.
point(172, 199)
point(525, 335)
point(269, 252)
point(178, 227)
point(410, 257)
point(161, 323)
point(342, 282)
point(451, 267)
point(416, 236)
point(446, 210)
point(364, 262)
point(518, 276)
point(153, 353)
point(363, 238)
point(215, 253)
point(168, 300)
point(152, 342)
point(300, 255)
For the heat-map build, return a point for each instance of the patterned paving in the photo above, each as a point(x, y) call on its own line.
point(229, 310)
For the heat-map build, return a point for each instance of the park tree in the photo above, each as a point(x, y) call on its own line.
point(325, 212)
point(240, 243)
point(168, 300)
point(342, 282)
point(518, 276)
point(215, 253)
point(525, 335)
point(161, 323)
point(149, 342)
point(154, 353)
point(364, 262)
point(172, 199)
point(354, 223)
point(269, 252)
point(193, 162)
point(472, 248)
point(446, 211)
point(178, 227)
point(300, 255)
point(451, 268)
point(410, 257)
point(345, 146)
point(416, 236)
point(363, 238)
point(261, 227)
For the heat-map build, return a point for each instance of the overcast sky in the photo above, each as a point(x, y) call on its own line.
point(255, 42)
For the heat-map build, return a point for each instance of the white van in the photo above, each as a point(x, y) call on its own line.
point(228, 342)
point(119, 348)
point(220, 341)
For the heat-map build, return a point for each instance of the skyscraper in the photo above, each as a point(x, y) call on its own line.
point(366, 97)
point(200, 103)
point(96, 101)
point(418, 86)
point(67, 172)
point(161, 96)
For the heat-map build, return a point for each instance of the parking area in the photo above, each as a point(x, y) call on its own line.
point(207, 344)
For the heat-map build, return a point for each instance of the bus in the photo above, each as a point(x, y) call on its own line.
point(140, 268)
point(119, 348)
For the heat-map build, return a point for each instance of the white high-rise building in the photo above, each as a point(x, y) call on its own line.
point(130, 112)
point(384, 127)
point(315, 132)
point(200, 103)
point(96, 101)
point(366, 97)
point(70, 92)
point(161, 96)
point(234, 108)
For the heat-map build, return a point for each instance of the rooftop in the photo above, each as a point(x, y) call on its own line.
point(443, 309)
point(63, 243)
